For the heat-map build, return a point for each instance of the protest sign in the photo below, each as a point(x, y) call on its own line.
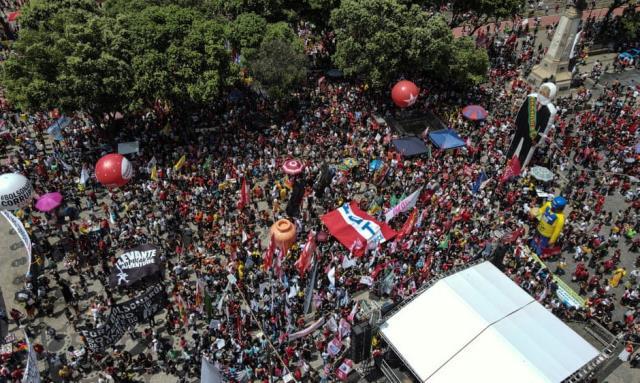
point(134, 265)
point(125, 315)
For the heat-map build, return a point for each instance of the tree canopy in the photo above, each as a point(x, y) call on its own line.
point(383, 39)
point(125, 55)
point(73, 55)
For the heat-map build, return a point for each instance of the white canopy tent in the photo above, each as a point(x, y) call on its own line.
point(479, 326)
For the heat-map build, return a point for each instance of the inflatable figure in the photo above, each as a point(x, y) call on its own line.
point(534, 119)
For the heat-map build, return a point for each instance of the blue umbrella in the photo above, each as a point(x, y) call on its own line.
point(375, 165)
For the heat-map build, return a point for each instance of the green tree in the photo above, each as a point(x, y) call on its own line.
point(380, 40)
point(63, 60)
point(247, 32)
point(177, 55)
point(279, 66)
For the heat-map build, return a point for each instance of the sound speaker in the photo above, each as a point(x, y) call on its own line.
point(360, 342)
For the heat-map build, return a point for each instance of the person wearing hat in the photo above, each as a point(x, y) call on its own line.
point(534, 119)
point(550, 223)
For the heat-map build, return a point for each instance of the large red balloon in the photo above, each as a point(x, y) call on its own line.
point(113, 170)
point(405, 93)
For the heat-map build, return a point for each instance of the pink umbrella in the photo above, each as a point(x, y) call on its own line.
point(49, 201)
point(293, 167)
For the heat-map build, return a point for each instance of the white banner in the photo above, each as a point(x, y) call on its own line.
point(22, 232)
point(404, 205)
point(31, 373)
point(128, 147)
point(209, 373)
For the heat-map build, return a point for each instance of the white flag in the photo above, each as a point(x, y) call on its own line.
point(404, 205)
point(84, 175)
point(332, 276)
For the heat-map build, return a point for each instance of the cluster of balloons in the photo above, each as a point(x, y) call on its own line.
point(113, 170)
point(16, 191)
point(405, 93)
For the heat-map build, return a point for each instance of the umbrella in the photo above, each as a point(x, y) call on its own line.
point(348, 163)
point(49, 201)
point(541, 173)
point(474, 112)
point(293, 166)
point(375, 165)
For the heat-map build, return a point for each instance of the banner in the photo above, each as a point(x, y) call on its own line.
point(125, 315)
point(17, 225)
point(350, 226)
point(134, 265)
point(209, 373)
point(128, 147)
point(31, 373)
point(310, 329)
point(344, 370)
point(402, 206)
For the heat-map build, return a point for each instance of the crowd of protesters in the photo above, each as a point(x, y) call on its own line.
point(191, 214)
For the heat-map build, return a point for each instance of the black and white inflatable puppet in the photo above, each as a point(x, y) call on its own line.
point(533, 121)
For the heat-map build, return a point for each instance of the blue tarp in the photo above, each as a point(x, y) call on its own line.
point(410, 146)
point(446, 139)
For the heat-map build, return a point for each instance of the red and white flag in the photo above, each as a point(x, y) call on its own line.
point(244, 194)
point(267, 261)
point(304, 262)
point(353, 312)
point(351, 225)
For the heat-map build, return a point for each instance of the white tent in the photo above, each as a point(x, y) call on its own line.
point(479, 326)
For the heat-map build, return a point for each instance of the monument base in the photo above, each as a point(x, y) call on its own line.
point(556, 72)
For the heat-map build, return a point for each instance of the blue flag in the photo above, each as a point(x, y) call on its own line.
point(478, 182)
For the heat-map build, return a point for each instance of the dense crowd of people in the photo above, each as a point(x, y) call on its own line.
point(191, 214)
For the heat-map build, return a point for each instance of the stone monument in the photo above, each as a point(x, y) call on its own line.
point(557, 63)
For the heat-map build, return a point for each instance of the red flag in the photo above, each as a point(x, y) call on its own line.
point(304, 262)
point(512, 170)
point(268, 255)
point(244, 195)
point(407, 228)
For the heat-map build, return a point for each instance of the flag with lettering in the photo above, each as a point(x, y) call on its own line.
point(350, 225)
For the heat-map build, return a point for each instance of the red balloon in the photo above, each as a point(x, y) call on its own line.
point(113, 170)
point(405, 93)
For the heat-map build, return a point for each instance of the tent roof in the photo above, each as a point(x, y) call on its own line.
point(446, 139)
point(478, 325)
point(410, 146)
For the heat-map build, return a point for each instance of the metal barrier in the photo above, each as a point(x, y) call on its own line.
point(388, 372)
